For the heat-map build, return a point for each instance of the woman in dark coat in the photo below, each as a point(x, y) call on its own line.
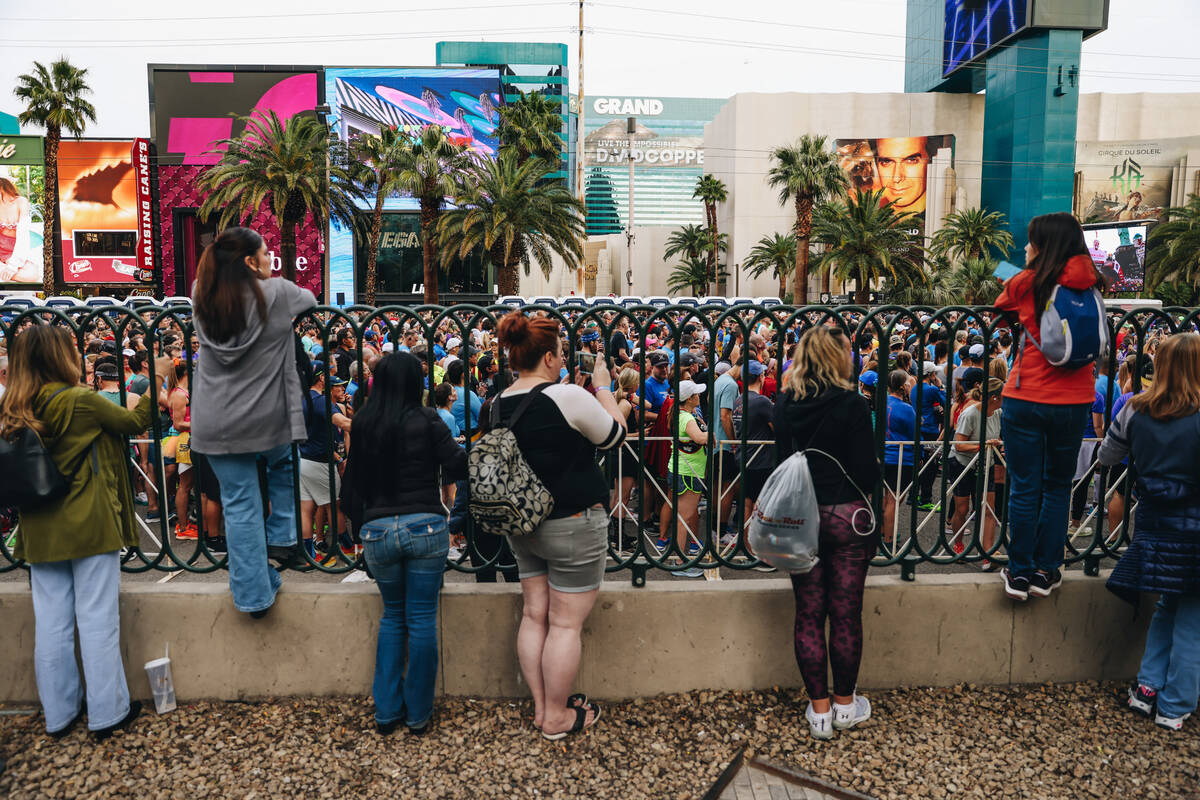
point(1159, 430)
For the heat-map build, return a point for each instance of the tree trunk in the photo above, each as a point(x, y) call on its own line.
point(429, 218)
point(507, 269)
point(861, 292)
point(287, 247)
point(373, 246)
point(50, 209)
point(825, 279)
point(804, 207)
point(782, 284)
point(710, 211)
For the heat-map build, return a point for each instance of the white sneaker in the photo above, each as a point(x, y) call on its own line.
point(819, 725)
point(847, 716)
point(1170, 723)
point(729, 540)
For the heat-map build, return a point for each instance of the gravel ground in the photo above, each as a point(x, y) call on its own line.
point(1048, 741)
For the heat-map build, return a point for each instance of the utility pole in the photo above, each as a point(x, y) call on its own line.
point(579, 136)
point(630, 130)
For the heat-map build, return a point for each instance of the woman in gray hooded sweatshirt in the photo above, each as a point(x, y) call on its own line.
point(246, 405)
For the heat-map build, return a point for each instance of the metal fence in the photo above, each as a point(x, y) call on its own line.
point(717, 538)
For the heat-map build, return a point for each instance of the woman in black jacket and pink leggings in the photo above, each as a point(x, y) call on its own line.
point(820, 412)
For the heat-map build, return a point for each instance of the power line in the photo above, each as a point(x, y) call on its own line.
point(293, 14)
point(275, 40)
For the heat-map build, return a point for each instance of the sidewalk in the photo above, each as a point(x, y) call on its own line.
point(1038, 742)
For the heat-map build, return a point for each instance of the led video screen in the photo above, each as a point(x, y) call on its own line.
point(1119, 252)
point(97, 191)
point(975, 26)
point(21, 184)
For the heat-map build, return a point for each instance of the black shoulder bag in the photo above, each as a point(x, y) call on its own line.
point(32, 479)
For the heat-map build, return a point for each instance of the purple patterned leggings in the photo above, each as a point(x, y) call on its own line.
point(833, 589)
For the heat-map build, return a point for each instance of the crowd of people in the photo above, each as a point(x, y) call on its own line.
point(670, 426)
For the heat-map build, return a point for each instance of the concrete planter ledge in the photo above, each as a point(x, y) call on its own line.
point(319, 639)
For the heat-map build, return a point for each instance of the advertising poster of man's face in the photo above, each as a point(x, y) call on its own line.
point(899, 166)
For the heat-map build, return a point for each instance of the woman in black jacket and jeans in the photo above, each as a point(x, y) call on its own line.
point(819, 410)
point(396, 449)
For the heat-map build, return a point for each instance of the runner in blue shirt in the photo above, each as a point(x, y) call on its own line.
point(897, 461)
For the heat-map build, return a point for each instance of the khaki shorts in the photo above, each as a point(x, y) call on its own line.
point(314, 482)
point(571, 551)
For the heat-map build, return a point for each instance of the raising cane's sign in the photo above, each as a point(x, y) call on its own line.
point(145, 212)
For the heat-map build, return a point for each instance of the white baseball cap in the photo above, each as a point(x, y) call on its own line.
point(976, 351)
point(687, 389)
point(453, 343)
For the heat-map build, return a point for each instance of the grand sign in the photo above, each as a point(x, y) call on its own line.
point(628, 106)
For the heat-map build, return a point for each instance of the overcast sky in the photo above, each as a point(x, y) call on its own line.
point(661, 48)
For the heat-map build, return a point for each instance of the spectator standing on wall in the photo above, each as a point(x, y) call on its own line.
point(1045, 410)
point(248, 406)
point(73, 544)
point(819, 410)
point(561, 563)
point(1159, 430)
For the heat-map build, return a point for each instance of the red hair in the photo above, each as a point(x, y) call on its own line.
point(527, 339)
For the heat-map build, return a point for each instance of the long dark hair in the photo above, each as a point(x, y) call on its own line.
point(221, 282)
point(1057, 237)
point(377, 432)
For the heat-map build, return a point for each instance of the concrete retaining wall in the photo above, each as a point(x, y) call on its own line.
point(320, 639)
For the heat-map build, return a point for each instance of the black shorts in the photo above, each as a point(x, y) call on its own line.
point(890, 478)
point(1116, 479)
point(755, 479)
point(966, 486)
point(729, 467)
point(206, 479)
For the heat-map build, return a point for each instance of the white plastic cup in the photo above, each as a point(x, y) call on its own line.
point(161, 685)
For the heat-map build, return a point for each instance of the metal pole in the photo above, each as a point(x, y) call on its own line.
point(579, 135)
point(630, 129)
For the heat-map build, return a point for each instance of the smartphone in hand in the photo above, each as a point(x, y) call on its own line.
point(586, 362)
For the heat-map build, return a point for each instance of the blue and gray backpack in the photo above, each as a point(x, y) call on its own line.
point(1073, 327)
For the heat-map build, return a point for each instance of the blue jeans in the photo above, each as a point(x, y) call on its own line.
point(81, 592)
point(1041, 443)
point(252, 580)
point(406, 554)
point(1171, 663)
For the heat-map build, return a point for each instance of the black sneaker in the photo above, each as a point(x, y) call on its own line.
point(1015, 586)
point(135, 708)
point(215, 544)
point(1041, 584)
point(287, 555)
point(1141, 700)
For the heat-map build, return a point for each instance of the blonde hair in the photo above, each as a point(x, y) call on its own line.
point(627, 382)
point(40, 354)
point(1175, 391)
point(819, 363)
point(998, 368)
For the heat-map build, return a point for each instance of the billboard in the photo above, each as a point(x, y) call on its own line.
point(898, 165)
point(464, 101)
point(1128, 180)
point(193, 107)
point(973, 27)
point(1119, 253)
point(21, 176)
point(98, 208)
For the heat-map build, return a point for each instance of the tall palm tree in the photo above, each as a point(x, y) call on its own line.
point(972, 234)
point(866, 241)
point(532, 125)
point(429, 174)
point(974, 283)
point(691, 275)
point(54, 100)
point(711, 190)
point(516, 215)
point(274, 163)
point(382, 157)
point(805, 173)
point(1173, 249)
point(690, 241)
point(776, 253)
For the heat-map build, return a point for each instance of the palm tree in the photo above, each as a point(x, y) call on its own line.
point(383, 157)
point(866, 241)
point(691, 275)
point(974, 283)
point(280, 164)
point(54, 100)
point(514, 213)
point(804, 173)
point(972, 234)
point(532, 125)
point(1173, 249)
point(429, 175)
point(776, 253)
point(690, 241)
point(711, 190)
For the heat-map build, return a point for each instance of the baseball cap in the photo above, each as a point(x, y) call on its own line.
point(318, 367)
point(722, 367)
point(688, 389)
point(658, 359)
point(868, 378)
point(755, 367)
point(107, 372)
point(688, 360)
point(388, 347)
point(896, 339)
point(972, 377)
point(334, 380)
point(976, 351)
point(929, 368)
point(453, 343)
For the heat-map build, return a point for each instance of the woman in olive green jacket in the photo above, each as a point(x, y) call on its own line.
point(73, 544)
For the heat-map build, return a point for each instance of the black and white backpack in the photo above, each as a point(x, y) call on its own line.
point(507, 497)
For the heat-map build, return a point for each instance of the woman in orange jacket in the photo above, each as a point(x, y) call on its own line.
point(1045, 409)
